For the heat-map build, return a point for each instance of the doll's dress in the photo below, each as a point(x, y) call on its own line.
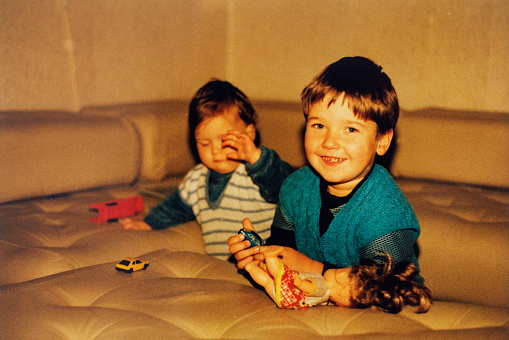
point(289, 296)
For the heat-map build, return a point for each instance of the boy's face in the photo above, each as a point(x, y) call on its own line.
point(209, 140)
point(340, 146)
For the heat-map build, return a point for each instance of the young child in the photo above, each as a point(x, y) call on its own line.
point(353, 208)
point(388, 287)
point(236, 177)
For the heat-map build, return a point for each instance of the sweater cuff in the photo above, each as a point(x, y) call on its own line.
point(153, 222)
point(259, 163)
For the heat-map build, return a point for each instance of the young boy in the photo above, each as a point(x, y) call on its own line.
point(353, 208)
point(236, 178)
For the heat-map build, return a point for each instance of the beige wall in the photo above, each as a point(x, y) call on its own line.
point(34, 62)
point(66, 54)
point(445, 53)
point(131, 51)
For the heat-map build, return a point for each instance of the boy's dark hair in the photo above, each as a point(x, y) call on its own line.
point(367, 90)
point(214, 98)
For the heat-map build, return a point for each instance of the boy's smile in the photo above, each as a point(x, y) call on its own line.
point(332, 160)
point(340, 146)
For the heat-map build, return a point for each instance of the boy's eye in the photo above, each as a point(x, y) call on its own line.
point(203, 144)
point(318, 126)
point(351, 129)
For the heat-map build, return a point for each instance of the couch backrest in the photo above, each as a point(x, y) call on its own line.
point(453, 146)
point(47, 153)
point(162, 127)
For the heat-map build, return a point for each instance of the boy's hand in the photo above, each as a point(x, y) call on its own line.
point(130, 224)
point(239, 246)
point(294, 259)
point(245, 149)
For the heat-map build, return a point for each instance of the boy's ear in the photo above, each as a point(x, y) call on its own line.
point(251, 131)
point(384, 142)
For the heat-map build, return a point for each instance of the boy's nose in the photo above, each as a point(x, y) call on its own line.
point(331, 141)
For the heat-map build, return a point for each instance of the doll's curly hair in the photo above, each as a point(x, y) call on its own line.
point(389, 287)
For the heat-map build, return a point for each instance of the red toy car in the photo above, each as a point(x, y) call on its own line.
point(113, 210)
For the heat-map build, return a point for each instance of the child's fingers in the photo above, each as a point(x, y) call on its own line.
point(252, 264)
point(233, 133)
point(136, 225)
point(245, 256)
point(234, 136)
point(247, 225)
point(237, 149)
point(259, 257)
point(239, 246)
point(244, 262)
point(233, 156)
point(232, 140)
point(235, 239)
point(128, 226)
point(271, 251)
point(230, 137)
point(243, 249)
point(125, 220)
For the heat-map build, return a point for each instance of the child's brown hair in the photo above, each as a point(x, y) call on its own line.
point(214, 98)
point(367, 90)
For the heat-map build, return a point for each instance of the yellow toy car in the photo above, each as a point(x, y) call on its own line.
point(129, 265)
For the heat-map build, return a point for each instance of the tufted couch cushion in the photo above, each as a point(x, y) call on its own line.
point(48, 236)
point(189, 295)
point(464, 240)
point(59, 279)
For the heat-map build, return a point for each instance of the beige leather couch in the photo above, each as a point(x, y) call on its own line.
point(58, 278)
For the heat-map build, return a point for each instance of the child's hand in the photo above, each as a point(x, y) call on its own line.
point(291, 257)
point(243, 145)
point(130, 224)
point(240, 246)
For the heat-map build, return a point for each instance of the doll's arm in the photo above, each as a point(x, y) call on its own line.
point(306, 286)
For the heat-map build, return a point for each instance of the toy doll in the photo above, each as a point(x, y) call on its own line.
point(386, 287)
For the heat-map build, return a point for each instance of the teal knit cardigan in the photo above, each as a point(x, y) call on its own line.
point(376, 209)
